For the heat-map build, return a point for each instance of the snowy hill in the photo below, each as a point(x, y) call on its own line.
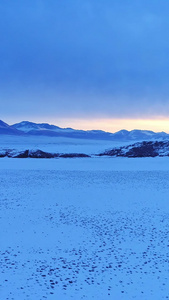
point(143, 149)
point(138, 135)
point(6, 129)
point(27, 126)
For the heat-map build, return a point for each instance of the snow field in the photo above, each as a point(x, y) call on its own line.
point(84, 229)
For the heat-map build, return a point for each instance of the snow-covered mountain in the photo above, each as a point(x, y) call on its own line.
point(27, 126)
point(45, 129)
point(138, 135)
point(9, 130)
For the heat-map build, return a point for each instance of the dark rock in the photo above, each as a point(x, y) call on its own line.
point(113, 152)
point(143, 149)
point(40, 154)
point(146, 149)
point(23, 154)
point(3, 154)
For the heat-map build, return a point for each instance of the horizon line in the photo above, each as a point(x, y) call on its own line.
point(112, 125)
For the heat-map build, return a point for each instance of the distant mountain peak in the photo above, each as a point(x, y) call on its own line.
point(8, 130)
point(3, 124)
point(27, 126)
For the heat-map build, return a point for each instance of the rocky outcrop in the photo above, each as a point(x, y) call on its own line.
point(143, 149)
point(38, 154)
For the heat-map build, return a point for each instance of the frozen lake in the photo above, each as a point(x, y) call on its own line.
point(93, 228)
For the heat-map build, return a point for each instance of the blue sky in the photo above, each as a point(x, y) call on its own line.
point(74, 61)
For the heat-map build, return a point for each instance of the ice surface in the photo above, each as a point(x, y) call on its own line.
point(93, 228)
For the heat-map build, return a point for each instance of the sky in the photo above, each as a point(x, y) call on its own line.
point(100, 64)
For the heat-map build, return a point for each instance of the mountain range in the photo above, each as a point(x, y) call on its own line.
point(27, 128)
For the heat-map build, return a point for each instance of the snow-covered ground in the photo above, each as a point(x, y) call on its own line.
point(84, 228)
point(57, 144)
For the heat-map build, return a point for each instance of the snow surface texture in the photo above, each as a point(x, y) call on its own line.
point(84, 229)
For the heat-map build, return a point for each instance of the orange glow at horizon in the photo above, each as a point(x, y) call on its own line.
point(113, 125)
point(106, 124)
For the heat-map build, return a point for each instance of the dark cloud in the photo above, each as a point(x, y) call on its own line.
point(86, 56)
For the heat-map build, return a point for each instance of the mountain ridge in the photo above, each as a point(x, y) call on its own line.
point(9, 130)
point(27, 128)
